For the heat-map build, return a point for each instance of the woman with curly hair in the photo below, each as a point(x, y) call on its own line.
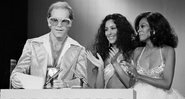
point(113, 43)
point(154, 57)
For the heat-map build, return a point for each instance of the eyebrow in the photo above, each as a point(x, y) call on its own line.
point(144, 24)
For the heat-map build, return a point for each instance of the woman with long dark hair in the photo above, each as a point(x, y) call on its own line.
point(114, 38)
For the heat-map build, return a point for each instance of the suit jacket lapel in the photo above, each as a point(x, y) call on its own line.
point(39, 63)
point(47, 46)
point(42, 54)
point(68, 61)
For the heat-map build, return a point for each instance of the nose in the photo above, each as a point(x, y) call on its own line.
point(139, 29)
point(108, 32)
point(59, 24)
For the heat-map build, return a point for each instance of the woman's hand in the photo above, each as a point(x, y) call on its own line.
point(58, 84)
point(132, 71)
point(98, 62)
point(114, 54)
point(16, 83)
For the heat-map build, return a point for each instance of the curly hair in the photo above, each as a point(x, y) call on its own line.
point(124, 36)
point(162, 33)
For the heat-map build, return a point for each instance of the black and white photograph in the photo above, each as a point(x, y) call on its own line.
point(92, 49)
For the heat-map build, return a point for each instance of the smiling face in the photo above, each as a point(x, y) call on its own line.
point(57, 22)
point(144, 30)
point(111, 31)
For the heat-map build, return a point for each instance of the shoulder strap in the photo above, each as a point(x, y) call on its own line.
point(161, 55)
point(140, 55)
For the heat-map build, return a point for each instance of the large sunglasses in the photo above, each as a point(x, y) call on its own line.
point(55, 21)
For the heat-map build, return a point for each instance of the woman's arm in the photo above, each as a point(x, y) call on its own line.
point(123, 77)
point(100, 82)
point(117, 60)
point(99, 63)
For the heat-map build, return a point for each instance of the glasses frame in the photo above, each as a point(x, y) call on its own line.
point(60, 20)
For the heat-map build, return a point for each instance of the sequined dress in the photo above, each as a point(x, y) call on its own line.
point(109, 74)
point(147, 91)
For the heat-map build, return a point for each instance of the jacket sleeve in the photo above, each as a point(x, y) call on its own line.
point(81, 67)
point(24, 61)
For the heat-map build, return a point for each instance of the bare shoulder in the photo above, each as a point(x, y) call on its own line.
point(168, 51)
point(137, 51)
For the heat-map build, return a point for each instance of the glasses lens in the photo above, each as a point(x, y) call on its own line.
point(66, 22)
point(54, 21)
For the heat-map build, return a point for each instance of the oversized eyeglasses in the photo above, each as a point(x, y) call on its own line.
point(55, 21)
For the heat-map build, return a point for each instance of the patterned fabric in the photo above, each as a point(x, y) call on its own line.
point(154, 72)
point(109, 71)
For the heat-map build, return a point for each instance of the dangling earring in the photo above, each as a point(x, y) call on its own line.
point(153, 35)
point(153, 32)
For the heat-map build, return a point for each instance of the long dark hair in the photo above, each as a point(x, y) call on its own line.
point(162, 33)
point(124, 37)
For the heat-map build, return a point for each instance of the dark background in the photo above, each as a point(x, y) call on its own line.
point(13, 35)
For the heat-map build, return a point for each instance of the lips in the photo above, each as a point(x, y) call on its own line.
point(140, 34)
point(111, 37)
point(59, 29)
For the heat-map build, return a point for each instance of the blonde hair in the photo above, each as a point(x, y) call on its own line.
point(63, 5)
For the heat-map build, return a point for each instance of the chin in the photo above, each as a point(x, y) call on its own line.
point(142, 38)
point(112, 42)
point(59, 35)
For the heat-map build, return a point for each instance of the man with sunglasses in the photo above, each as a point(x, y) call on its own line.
point(55, 57)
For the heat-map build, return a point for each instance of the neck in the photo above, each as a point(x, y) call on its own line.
point(114, 46)
point(149, 44)
point(57, 40)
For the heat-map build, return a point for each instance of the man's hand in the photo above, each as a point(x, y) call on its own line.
point(16, 83)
